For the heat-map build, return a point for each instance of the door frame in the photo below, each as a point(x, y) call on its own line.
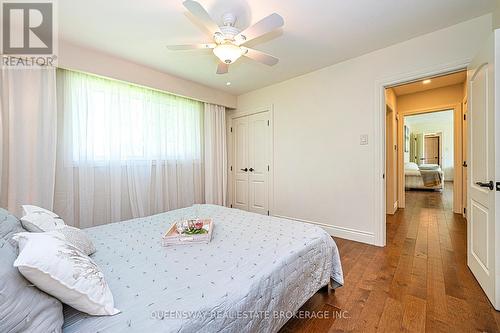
point(465, 156)
point(233, 114)
point(391, 173)
point(379, 134)
point(439, 136)
point(457, 154)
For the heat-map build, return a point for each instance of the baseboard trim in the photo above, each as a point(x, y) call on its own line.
point(336, 231)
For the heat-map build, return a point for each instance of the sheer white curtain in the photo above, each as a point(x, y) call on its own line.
point(124, 151)
point(215, 155)
point(28, 124)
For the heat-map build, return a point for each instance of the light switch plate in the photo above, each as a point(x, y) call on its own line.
point(363, 139)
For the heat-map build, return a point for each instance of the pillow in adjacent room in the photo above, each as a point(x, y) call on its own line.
point(23, 307)
point(76, 237)
point(41, 220)
point(428, 166)
point(63, 271)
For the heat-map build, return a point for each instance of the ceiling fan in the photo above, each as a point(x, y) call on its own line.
point(228, 40)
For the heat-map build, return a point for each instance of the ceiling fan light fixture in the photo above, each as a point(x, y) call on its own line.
point(228, 52)
point(218, 38)
point(240, 39)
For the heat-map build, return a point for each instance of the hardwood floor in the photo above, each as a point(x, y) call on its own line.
point(418, 283)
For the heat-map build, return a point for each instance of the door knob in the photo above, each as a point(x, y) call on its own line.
point(244, 169)
point(251, 169)
point(488, 184)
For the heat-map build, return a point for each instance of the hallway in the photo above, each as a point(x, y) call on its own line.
point(418, 282)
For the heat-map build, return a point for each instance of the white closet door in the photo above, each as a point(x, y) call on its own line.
point(259, 152)
point(240, 165)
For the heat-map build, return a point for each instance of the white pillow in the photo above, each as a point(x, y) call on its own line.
point(28, 209)
point(61, 270)
point(40, 221)
point(75, 237)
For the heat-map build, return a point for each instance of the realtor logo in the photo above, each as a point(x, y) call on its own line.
point(27, 28)
point(29, 33)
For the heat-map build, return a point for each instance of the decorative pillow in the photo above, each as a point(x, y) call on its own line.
point(75, 237)
point(40, 221)
point(23, 307)
point(63, 271)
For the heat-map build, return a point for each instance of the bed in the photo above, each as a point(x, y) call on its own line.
point(255, 267)
point(415, 177)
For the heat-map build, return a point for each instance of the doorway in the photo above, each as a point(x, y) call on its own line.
point(432, 149)
point(429, 155)
point(430, 138)
point(480, 213)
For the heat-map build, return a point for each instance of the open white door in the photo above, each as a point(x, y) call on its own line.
point(484, 204)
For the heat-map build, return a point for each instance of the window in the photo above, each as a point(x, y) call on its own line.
point(107, 120)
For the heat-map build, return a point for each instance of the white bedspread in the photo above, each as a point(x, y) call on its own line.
point(251, 277)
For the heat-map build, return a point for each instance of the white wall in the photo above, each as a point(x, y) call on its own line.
point(321, 172)
point(426, 124)
point(496, 16)
point(90, 61)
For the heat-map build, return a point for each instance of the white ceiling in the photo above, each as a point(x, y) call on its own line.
point(441, 117)
point(435, 82)
point(317, 33)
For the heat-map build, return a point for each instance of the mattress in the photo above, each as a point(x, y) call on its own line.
point(254, 274)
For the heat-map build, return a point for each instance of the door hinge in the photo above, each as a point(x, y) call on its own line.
point(383, 176)
point(268, 168)
point(465, 116)
point(231, 168)
point(268, 123)
point(465, 211)
point(231, 205)
point(231, 129)
point(267, 212)
point(464, 164)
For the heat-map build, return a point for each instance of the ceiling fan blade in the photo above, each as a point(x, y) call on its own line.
point(191, 47)
point(222, 68)
point(202, 15)
point(264, 26)
point(261, 57)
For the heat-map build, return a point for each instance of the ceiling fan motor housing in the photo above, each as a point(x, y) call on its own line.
point(228, 28)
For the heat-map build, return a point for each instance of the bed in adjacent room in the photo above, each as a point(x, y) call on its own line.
point(423, 177)
point(255, 265)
